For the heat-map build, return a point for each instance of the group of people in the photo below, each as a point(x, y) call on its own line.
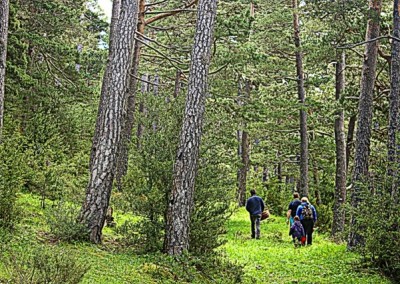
point(301, 216)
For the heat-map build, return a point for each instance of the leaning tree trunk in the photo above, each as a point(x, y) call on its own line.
point(340, 180)
point(363, 134)
point(392, 170)
point(100, 119)
point(302, 98)
point(4, 7)
point(185, 169)
point(108, 133)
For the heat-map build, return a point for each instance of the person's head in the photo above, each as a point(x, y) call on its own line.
point(296, 195)
point(304, 199)
point(253, 192)
point(296, 218)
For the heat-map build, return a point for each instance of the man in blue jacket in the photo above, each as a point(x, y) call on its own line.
point(308, 217)
point(255, 206)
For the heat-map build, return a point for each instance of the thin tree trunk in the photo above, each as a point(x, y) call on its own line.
point(109, 130)
point(317, 192)
point(340, 180)
point(100, 119)
point(363, 134)
point(302, 99)
point(349, 140)
point(4, 9)
point(393, 129)
point(185, 169)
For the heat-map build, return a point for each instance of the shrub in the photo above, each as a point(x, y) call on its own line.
point(379, 226)
point(44, 264)
point(11, 179)
point(63, 224)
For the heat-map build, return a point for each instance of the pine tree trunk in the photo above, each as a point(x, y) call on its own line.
point(340, 180)
point(349, 139)
point(363, 134)
point(109, 130)
point(302, 98)
point(100, 119)
point(393, 129)
point(122, 165)
point(185, 168)
point(4, 9)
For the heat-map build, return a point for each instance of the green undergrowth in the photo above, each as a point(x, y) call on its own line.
point(272, 259)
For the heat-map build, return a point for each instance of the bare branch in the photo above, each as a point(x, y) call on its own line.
point(169, 13)
point(349, 46)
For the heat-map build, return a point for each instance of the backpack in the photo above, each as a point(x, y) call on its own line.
point(307, 213)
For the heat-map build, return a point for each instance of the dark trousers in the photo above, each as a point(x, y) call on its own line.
point(255, 226)
point(308, 225)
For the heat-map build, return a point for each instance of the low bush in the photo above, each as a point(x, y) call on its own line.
point(63, 225)
point(379, 227)
point(43, 264)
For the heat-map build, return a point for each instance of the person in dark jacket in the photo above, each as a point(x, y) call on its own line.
point(255, 206)
point(308, 217)
point(293, 208)
point(297, 231)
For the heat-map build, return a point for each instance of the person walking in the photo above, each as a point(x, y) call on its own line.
point(255, 206)
point(308, 217)
point(297, 232)
point(293, 208)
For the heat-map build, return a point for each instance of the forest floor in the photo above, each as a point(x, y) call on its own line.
point(271, 259)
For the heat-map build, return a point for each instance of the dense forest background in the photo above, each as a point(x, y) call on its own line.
point(252, 134)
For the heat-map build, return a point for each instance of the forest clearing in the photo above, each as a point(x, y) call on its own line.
point(145, 146)
point(272, 259)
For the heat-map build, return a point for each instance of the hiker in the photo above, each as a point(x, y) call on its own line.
point(293, 208)
point(308, 217)
point(255, 206)
point(297, 232)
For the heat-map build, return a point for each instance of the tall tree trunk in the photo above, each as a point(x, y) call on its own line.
point(100, 119)
point(245, 145)
point(349, 140)
point(103, 165)
point(122, 165)
point(4, 9)
point(340, 179)
point(363, 134)
point(317, 192)
point(302, 98)
point(392, 169)
point(185, 169)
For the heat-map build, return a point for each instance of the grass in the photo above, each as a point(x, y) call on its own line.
point(272, 259)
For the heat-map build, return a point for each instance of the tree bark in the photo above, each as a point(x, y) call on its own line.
point(100, 119)
point(302, 98)
point(122, 165)
point(393, 129)
point(363, 134)
point(108, 132)
point(245, 157)
point(4, 10)
point(340, 179)
point(185, 168)
point(349, 140)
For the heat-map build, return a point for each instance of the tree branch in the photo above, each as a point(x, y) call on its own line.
point(347, 46)
point(169, 13)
